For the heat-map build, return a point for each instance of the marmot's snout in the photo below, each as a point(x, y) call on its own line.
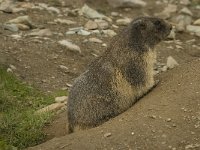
point(170, 27)
point(163, 28)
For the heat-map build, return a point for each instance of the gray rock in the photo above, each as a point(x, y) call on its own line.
point(69, 85)
point(64, 21)
point(123, 22)
point(9, 70)
point(192, 146)
point(23, 26)
point(155, 72)
point(127, 3)
point(43, 5)
point(180, 27)
point(171, 62)
point(193, 29)
point(64, 68)
point(72, 13)
point(107, 134)
point(40, 6)
point(83, 32)
point(185, 2)
point(12, 67)
point(91, 25)
point(102, 24)
point(186, 11)
point(11, 27)
point(19, 10)
point(166, 13)
point(92, 14)
point(51, 108)
point(114, 14)
point(70, 32)
point(61, 99)
point(172, 34)
point(197, 22)
point(95, 40)
point(76, 29)
point(109, 32)
point(164, 68)
point(104, 45)
point(179, 47)
point(115, 26)
point(16, 36)
point(53, 9)
point(152, 117)
point(168, 119)
point(85, 41)
point(23, 20)
point(69, 45)
point(96, 32)
point(27, 5)
point(182, 21)
point(41, 33)
point(190, 41)
point(7, 6)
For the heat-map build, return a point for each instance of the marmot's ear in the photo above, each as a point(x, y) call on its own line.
point(141, 25)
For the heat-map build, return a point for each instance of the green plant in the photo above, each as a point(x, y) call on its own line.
point(19, 125)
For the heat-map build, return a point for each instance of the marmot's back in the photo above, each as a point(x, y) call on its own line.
point(115, 81)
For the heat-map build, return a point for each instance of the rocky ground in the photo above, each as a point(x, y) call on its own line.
point(48, 43)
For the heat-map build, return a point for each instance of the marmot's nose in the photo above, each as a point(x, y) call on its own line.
point(170, 27)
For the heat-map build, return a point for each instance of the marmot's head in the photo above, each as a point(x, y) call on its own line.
point(149, 30)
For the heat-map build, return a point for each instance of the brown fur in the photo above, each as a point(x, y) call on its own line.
point(117, 79)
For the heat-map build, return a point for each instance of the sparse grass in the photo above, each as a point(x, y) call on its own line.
point(19, 125)
point(59, 93)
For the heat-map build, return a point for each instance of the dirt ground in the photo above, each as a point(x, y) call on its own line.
point(167, 118)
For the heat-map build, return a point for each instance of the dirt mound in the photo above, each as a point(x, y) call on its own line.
point(166, 118)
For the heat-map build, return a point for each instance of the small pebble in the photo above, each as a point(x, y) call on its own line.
point(114, 14)
point(169, 119)
point(95, 40)
point(153, 117)
point(61, 99)
point(171, 62)
point(107, 134)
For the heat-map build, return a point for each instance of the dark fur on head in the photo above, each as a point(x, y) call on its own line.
point(148, 31)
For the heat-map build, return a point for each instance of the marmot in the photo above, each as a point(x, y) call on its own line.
point(115, 80)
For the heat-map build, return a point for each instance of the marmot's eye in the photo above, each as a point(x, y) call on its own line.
point(158, 24)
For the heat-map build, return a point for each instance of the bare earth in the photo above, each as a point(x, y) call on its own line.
point(167, 118)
